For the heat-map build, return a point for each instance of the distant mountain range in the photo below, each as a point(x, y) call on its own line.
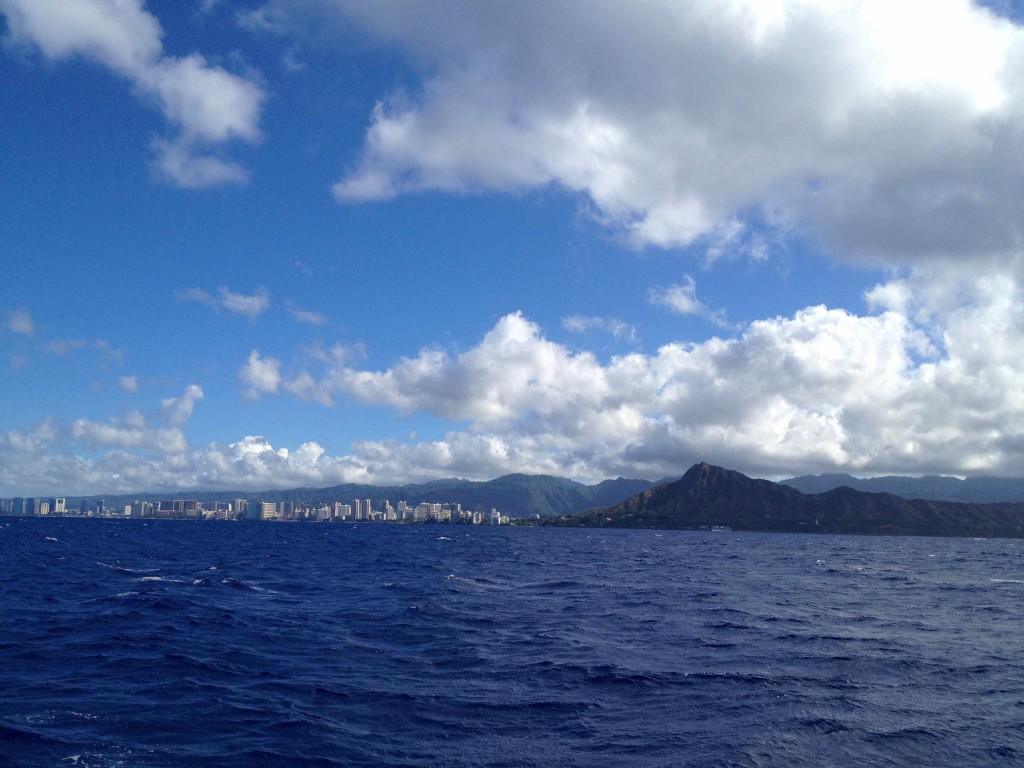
point(980, 490)
point(709, 497)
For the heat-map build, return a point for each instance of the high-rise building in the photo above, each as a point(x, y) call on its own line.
point(268, 510)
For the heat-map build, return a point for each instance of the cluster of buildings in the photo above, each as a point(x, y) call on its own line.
point(363, 509)
point(242, 509)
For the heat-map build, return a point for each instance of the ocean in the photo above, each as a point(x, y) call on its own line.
point(173, 643)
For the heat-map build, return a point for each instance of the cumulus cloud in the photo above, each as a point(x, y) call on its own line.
point(866, 129)
point(122, 458)
point(88, 456)
point(887, 134)
point(176, 160)
point(260, 376)
point(162, 433)
point(207, 104)
point(820, 390)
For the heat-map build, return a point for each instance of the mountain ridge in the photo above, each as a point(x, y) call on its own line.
point(977, 490)
point(714, 497)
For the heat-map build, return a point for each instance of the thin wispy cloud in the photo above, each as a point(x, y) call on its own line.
point(681, 299)
point(307, 316)
point(20, 321)
point(104, 351)
point(619, 330)
point(248, 305)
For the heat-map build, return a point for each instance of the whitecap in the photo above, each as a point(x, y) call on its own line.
point(247, 585)
point(159, 578)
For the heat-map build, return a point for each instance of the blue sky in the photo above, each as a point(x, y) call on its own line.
point(268, 244)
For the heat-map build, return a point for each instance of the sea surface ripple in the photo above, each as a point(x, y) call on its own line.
point(173, 643)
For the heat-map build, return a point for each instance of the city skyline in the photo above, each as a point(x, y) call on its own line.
point(356, 510)
point(265, 244)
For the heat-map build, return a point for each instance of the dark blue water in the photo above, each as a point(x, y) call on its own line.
point(259, 644)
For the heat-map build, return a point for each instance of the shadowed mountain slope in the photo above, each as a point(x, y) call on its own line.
point(709, 496)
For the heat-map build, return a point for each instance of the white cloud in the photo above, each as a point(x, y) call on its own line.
point(21, 322)
point(88, 456)
point(249, 305)
point(305, 387)
point(307, 316)
point(681, 298)
point(821, 390)
point(198, 296)
point(177, 410)
point(178, 160)
point(129, 383)
point(207, 104)
point(135, 431)
point(887, 133)
point(260, 376)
